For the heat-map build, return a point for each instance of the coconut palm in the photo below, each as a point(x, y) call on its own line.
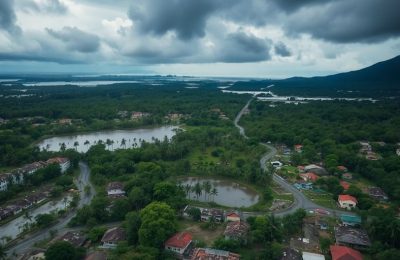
point(207, 188)
point(123, 142)
point(63, 147)
point(214, 192)
point(188, 189)
point(76, 144)
point(197, 189)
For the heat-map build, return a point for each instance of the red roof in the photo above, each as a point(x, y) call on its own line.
point(310, 176)
point(345, 185)
point(345, 253)
point(179, 240)
point(342, 168)
point(347, 197)
point(233, 214)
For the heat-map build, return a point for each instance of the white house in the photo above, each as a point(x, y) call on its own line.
point(115, 188)
point(178, 243)
point(3, 182)
point(312, 256)
point(347, 202)
point(232, 216)
point(63, 162)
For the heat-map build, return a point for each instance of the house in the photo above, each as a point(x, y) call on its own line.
point(15, 209)
point(309, 176)
point(347, 202)
point(347, 176)
point(210, 253)
point(298, 148)
point(300, 168)
point(365, 147)
point(115, 188)
point(232, 216)
point(353, 237)
point(36, 198)
point(344, 253)
point(5, 213)
point(277, 164)
point(377, 193)
point(215, 214)
point(291, 254)
point(23, 203)
point(63, 162)
point(342, 168)
point(345, 185)
point(139, 115)
point(179, 243)
point(312, 256)
point(96, 255)
point(65, 121)
point(372, 156)
point(4, 181)
point(350, 220)
point(112, 237)
point(77, 239)
point(237, 230)
point(318, 170)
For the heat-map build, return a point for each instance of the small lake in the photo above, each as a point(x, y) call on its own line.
point(230, 194)
point(133, 138)
point(16, 226)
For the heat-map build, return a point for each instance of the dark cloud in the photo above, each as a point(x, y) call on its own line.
point(282, 50)
point(185, 17)
point(76, 39)
point(349, 21)
point(241, 47)
point(48, 6)
point(7, 16)
point(36, 57)
point(293, 5)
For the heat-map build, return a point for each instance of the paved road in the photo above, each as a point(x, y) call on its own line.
point(61, 226)
point(300, 200)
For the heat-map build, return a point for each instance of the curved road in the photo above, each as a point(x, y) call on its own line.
point(61, 226)
point(300, 200)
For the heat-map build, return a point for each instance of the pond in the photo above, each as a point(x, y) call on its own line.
point(16, 226)
point(118, 139)
point(229, 193)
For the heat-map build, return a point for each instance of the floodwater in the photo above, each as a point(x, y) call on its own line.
point(132, 138)
point(13, 228)
point(230, 194)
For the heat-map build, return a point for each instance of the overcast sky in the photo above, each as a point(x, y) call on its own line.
point(256, 38)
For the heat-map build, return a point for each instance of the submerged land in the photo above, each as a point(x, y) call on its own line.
point(165, 167)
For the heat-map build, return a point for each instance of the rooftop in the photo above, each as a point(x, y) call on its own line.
point(354, 236)
point(344, 253)
point(75, 238)
point(179, 240)
point(114, 235)
point(237, 229)
point(312, 256)
point(213, 254)
point(115, 186)
point(345, 197)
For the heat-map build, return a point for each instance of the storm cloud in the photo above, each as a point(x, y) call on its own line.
point(7, 17)
point(76, 39)
point(47, 6)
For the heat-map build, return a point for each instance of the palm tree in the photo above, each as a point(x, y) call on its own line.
point(76, 144)
point(188, 189)
point(207, 188)
point(197, 189)
point(108, 143)
point(63, 147)
point(214, 192)
point(87, 142)
point(123, 142)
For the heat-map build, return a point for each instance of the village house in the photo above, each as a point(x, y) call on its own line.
point(298, 148)
point(179, 243)
point(345, 185)
point(344, 253)
point(63, 162)
point(65, 121)
point(347, 202)
point(237, 230)
point(277, 164)
point(77, 239)
point(4, 181)
point(215, 214)
point(309, 176)
point(318, 170)
point(342, 168)
point(353, 237)
point(139, 115)
point(112, 237)
point(232, 216)
point(23, 203)
point(312, 256)
point(372, 156)
point(115, 189)
point(350, 220)
point(377, 193)
point(210, 253)
point(365, 147)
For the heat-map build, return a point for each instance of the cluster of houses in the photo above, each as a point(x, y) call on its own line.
point(17, 176)
point(222, 115)
point(19, 205)
point(366, 150)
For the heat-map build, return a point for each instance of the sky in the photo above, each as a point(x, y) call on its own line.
point(234, 38)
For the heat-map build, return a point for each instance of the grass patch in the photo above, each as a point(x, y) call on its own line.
point(206, 235)
point(323, 199)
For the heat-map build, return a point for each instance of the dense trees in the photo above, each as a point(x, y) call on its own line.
point(63, 250)
point(158, 224)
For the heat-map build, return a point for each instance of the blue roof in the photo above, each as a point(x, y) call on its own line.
point(350, 218)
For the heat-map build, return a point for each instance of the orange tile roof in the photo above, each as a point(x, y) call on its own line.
point(345, 253)
point(179, 240)
point(347, 197)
